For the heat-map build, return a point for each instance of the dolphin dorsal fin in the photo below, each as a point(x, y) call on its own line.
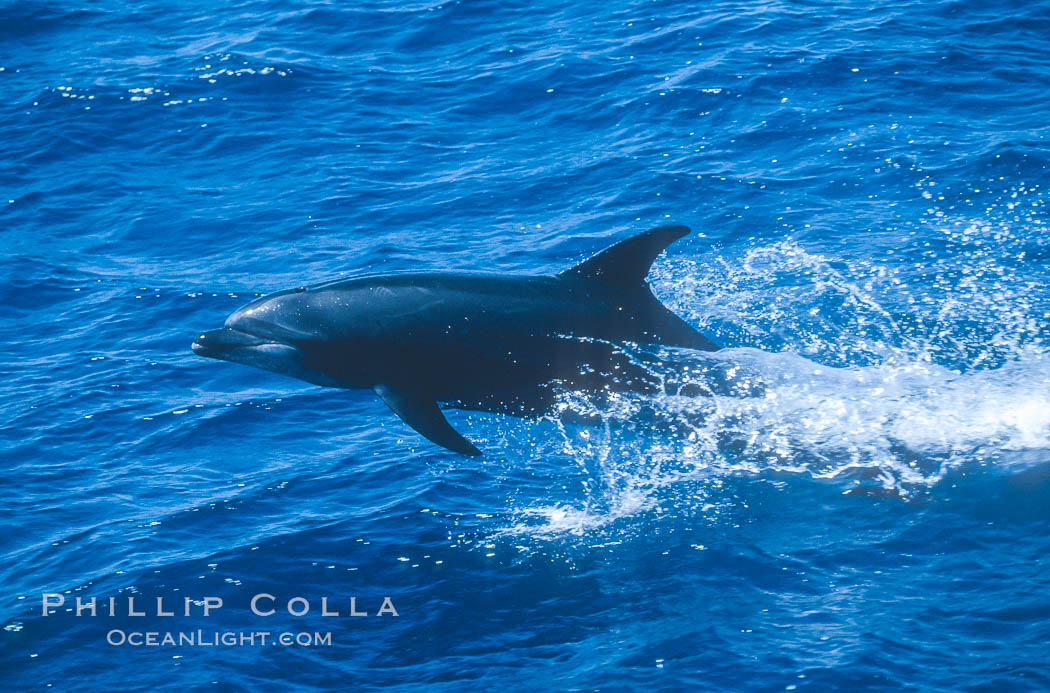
point(626, 264)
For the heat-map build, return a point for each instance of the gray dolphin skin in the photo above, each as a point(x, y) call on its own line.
point(488, 342)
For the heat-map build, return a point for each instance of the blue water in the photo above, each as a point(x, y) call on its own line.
point(862, 503)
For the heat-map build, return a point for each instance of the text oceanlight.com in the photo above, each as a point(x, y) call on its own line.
point(200, 638)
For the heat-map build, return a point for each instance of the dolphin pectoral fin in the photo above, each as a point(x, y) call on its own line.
point(626, 264)
point(422, 413)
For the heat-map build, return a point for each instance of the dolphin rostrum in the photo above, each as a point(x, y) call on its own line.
point(490, 342)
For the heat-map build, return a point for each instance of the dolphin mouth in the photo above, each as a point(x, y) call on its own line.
point(215, 343)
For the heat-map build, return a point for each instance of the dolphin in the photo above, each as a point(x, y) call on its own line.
point(489, 342)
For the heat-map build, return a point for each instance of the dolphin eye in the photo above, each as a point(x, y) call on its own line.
point(300, 289)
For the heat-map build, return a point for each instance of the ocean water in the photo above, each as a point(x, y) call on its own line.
point(862, 502)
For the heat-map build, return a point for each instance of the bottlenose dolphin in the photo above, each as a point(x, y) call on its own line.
point(490, 342)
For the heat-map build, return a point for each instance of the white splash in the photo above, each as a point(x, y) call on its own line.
point(881, 375)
